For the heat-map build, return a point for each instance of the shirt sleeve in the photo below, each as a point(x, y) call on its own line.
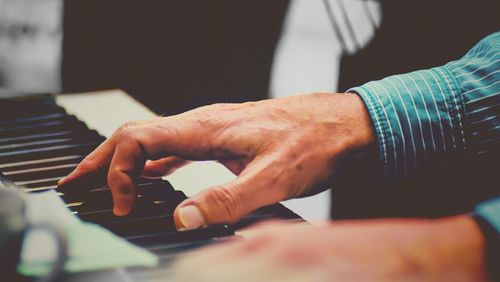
point(490, 211)
point(439, 116)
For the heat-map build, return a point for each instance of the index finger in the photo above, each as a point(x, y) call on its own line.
point(97, 161)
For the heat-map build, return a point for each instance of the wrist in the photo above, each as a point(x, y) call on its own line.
point(350, 143)
point(363, 134)
point(354, 122)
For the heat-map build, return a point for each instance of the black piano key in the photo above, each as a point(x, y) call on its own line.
point(72, 159)
point(37, 183)
point(158, 193)
point(39, 189)
point(30, 101)
point(141, 209)
point(276, 211)
point(49, 143)
point(48, 136)
point(142, 225)
point(35, 122)
point(40, 172)
point(24, 112)
point(147, 194)
point(143, 219)
point(47, 152)
point(158, 241)
point(103, 202)
point(44, 127)
point(31, 144)
point(93, 191)
point(31, 119)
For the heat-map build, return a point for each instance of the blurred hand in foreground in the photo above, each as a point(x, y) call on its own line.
point(279, 148)
point(367, 250)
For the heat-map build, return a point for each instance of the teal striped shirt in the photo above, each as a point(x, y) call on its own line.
point(439, 116)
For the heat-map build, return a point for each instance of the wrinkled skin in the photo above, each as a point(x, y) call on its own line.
point(280, 149)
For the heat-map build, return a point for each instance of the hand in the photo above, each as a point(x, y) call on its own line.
point(371, 250)
point(279, 149)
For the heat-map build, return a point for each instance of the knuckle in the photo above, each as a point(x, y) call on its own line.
point(223, 198)
point(126, 129)
point(115, 182)
point(127, 133)
point(126, 125)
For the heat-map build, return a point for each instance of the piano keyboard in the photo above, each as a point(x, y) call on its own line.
point(40, 143)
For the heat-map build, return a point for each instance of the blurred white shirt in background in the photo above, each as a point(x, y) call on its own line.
point(30, 45)
point(307, 59)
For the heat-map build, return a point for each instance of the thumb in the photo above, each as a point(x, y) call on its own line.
point(226, 203)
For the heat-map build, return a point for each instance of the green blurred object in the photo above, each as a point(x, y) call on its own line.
point(90, 247)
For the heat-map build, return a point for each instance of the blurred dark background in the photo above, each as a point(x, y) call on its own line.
point(420, 34)
point(172, 55)
point(176, 55)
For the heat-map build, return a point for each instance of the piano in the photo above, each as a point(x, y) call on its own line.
point(42, 139)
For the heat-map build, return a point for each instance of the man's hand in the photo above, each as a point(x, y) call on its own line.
point(449, 249)
point(280, 149)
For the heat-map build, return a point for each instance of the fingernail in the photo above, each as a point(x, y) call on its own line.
point(65, 179)
point(120, 212)
point(191, 217)
point(61, 181)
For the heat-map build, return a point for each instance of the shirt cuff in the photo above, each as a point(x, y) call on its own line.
point(417, 119)
point(490, 211)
